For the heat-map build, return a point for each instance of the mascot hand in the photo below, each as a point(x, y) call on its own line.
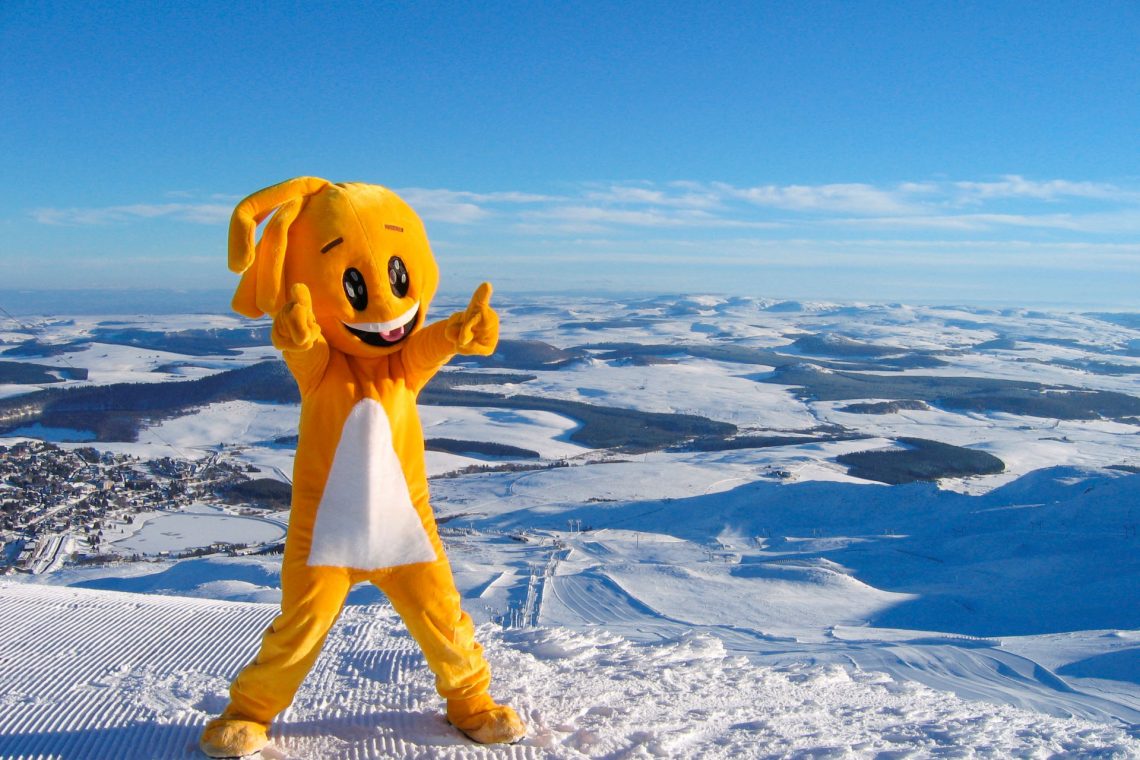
point(295, 328)
point(476, 330)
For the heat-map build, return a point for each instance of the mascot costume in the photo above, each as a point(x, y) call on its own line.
point(346, 272)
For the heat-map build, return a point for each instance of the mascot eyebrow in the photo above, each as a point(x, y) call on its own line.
point(333, 244)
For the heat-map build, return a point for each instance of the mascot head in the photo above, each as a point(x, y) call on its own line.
point(360, 249)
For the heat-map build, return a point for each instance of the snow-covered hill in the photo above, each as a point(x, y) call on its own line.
point(97, 675)
point(743, 599)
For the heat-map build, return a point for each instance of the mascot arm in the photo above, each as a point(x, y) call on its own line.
point(472, 331)
point(298, 337)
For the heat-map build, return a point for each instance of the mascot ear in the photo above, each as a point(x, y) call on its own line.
point(261, 264)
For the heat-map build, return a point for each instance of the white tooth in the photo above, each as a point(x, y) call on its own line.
point(390, 325)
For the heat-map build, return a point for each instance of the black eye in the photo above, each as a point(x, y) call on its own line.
point(355, 289)
point(398, 276)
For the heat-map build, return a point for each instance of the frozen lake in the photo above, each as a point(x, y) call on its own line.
point(179, 531)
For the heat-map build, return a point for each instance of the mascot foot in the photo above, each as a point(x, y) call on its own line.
point(233, 737)
point(484, 721)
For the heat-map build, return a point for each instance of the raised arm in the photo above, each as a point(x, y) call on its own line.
point(298, 336)
point(472, 331)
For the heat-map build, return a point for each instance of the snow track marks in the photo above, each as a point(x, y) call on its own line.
point(95, 674)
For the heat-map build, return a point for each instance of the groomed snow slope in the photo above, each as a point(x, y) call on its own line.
point(97, 674)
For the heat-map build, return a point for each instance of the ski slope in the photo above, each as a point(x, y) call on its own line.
point(114, 675)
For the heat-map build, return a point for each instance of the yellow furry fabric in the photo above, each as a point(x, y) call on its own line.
point(347, 274)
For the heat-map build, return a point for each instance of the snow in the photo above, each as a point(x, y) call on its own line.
point(79, 689)
point(712, 389)
point(178, 531)
point(748, 603)
point(228, 421)
point(543, 432)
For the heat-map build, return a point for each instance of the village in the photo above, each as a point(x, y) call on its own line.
point(61, 505)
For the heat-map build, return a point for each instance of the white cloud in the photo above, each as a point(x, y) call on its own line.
point(693, 196)
point(1109, 223)
point(925, 208)
point(194, 213)
point(444, 206)
point(461, 206)
point(643, 217)
point(851, 198)
point(1016, 186)
point(757, 254)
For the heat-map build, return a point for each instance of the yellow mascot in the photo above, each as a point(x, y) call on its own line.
point(346, 272)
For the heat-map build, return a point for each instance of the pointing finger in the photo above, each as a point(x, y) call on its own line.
point(482, 295)
point(300, 295)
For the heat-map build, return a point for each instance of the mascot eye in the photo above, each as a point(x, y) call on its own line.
point(355, 289)
point(398, 276)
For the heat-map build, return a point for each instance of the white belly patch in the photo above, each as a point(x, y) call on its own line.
point(366, 520)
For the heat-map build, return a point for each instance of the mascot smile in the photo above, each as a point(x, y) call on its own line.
point(346, 272)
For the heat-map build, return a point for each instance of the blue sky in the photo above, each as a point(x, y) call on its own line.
point(901, 151)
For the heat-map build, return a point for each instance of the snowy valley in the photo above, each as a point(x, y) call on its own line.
point(696, 527)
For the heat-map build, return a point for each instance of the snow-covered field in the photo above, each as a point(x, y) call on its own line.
point(749, 602)
point(81, 688)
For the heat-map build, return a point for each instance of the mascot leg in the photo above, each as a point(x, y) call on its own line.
point(311, 601)
point(426, 598)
